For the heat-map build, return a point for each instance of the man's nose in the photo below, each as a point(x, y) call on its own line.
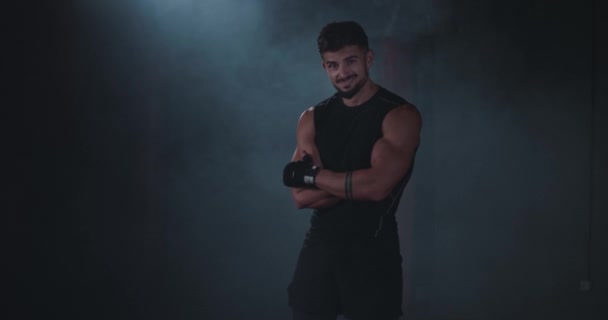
point(343, 71)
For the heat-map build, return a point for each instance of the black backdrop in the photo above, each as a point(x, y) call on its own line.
point(149, 136)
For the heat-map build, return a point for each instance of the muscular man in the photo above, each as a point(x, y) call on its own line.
point(354, 156)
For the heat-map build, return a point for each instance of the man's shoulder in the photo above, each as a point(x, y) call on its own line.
point(325, 103)
point(319, 107)
point(395, 101)
point(390, 98)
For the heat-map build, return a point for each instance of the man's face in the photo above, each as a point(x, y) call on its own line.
point(348, 69)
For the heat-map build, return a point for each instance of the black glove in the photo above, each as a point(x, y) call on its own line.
point(302, 173)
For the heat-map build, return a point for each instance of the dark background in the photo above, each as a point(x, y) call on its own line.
point(148, 139)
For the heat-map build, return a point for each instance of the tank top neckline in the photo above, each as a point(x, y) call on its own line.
point(359, 106)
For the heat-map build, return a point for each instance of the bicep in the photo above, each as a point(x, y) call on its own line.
point(305, 137)
point(392, 154)
point(310, 197)
point(305, 143)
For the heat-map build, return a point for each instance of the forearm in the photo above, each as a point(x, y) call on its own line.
point(313, 198)
point(364, 184)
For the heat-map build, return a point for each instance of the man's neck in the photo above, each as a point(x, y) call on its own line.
point(364, 94)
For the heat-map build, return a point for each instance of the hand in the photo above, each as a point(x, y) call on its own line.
point(302, 173)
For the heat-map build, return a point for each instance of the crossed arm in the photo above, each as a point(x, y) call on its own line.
point(391, 159)
point(305, 137)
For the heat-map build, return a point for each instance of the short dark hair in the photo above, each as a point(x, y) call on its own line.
point(337, 35)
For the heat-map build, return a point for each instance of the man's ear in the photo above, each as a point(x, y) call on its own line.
point(369, 57)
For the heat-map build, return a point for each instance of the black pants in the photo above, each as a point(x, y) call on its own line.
point(303, 316)
point(298, 315)
point(360, 278)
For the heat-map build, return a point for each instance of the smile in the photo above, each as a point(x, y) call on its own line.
point(347, 80)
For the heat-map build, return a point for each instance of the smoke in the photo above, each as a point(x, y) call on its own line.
point(179, 116)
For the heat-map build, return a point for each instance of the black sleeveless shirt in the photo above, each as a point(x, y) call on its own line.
point(345, 137)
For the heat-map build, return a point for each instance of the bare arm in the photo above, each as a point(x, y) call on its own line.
point(305, 136)
point(391, 159)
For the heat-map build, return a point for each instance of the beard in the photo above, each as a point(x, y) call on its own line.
point(354, 90)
